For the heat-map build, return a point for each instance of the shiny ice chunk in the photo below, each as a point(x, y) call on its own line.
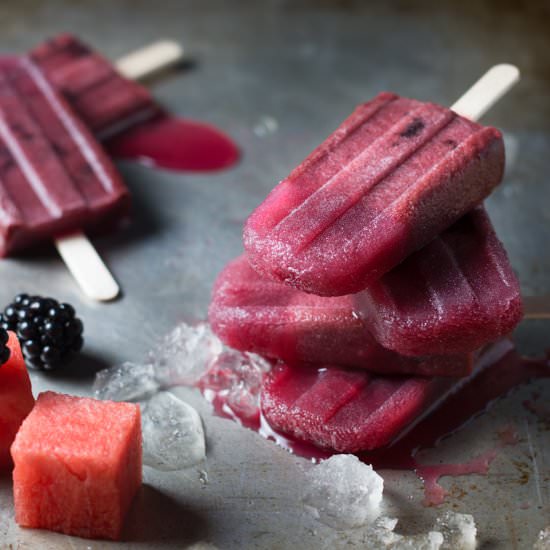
point(235, 379)
point(344, 492)
point(543, 540)
point(459, 531)
point(125, 382)
point(173, 436)
point(185, 354)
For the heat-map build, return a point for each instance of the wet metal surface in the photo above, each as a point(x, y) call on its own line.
point(279, 76)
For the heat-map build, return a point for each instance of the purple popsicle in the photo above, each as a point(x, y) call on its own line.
point(395, 174)
point(455, 295)
point(353, 410)
point(104, 99)
point(254, 314)
point(54, 177)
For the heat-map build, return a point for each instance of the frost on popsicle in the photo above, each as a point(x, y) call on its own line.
point(173, 436)
point(343, 492)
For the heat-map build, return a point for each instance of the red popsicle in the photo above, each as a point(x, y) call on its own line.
point(455, 295)
point(395, 174)
point(249, 313)
point(354, 410)
point(54, 177)
point(103, 98)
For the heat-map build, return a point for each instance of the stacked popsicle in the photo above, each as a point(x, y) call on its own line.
point(376, 254)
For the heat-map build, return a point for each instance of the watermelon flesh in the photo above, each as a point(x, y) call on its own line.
point(16, 400)
point(77, 465)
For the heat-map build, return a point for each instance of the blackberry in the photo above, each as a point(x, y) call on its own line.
point(47, 330)
point(4, 350)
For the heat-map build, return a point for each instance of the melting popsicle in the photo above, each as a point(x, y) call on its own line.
point(250, 313)
point(54, 177)
point(123, 114)
point(455, 295)
point(54, 121)
point(394, 174)
point(355, 410)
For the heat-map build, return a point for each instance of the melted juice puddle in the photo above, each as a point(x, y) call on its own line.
point(505, 371)
point(175, 144)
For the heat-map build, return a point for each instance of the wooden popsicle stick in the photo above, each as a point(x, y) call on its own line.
point(147, 61)
point(87, 267)
point(486, 91)
point(78, 253)
point(536, 307)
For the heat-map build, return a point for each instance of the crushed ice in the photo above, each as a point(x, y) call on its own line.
point(344, 492)
point(173, 436)
point(459, 531)
point(125, 382)
point(184, 354)
point(543, 540)
point(180, 358)
point(235, 380)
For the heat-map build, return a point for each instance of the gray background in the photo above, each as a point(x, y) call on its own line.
point(279, 76)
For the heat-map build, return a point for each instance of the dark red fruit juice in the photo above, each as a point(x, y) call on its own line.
point(503, 373)
point(176, 144)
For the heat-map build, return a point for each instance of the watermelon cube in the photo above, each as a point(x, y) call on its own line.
point(16, 400)
point(77, 465)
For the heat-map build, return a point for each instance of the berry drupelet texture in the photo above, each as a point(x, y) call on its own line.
point(47, 330)
point(4, 350)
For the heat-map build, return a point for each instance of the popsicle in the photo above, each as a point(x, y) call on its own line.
point(250, 313)
point(395, 174)
point(453, 296)
point(75, 249)
point(354, 410)
point(54, 177)
point(104, 96)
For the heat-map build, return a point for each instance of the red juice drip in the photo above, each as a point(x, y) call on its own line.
point(176, 144)
point(496, 380)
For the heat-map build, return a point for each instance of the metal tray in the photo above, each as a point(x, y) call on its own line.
point(279, 76)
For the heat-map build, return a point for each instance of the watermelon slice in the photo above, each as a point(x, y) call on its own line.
point(16, 400)
point(77, 465)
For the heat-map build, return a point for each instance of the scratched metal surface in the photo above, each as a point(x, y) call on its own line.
point(279, 76)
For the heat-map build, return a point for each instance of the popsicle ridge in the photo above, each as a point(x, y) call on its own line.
point(454, 295)
point(55, 178)
point(357, 178)
point(372, 194)
point(254, 314)
point(364, 411)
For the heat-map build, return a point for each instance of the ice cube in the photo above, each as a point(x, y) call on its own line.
point(184, 354)
point(459, 531)
point(235, 378)
point(543, 540)
point(173, 436)
point(344, 492)
point(125, 382)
